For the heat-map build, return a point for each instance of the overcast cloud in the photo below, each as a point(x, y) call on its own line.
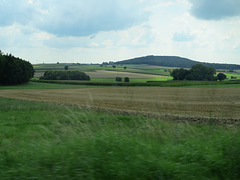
point(73, 18)
point(102, 30)
point(215, 9)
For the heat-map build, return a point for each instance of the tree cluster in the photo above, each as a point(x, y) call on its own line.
point(198, 72)
point(119, 79)
point(65, 75)
point(14, 70)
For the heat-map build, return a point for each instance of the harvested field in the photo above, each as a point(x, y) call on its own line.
point(158, 101)
point(114, 74)
point(111, 74)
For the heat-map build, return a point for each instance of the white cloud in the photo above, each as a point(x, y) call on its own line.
point(183, 36)
point(73, 18)
point(103, 30)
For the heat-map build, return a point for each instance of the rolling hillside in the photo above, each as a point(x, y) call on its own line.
point(174, 61)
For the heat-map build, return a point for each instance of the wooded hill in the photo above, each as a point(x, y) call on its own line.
point(174, 61)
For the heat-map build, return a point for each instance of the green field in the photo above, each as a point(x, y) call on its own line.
point(111, 82)
point(229, 75)
point(101, 129)
point(140, 80)
point(136, 73)
point(144, 69)
point(48, 141)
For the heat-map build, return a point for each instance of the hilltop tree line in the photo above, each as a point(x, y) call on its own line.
point(65, 75)
point(175, 61)
point(14, 70)
point(198, 72)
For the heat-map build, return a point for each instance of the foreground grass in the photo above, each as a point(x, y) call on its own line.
point(46, 141)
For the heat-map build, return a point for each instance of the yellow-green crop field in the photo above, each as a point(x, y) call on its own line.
point(62, 131)
point(109, 130)
point(220, 103)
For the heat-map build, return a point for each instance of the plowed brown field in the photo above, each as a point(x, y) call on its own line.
point(185, 102)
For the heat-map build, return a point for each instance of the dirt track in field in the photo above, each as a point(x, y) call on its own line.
point(183, 102)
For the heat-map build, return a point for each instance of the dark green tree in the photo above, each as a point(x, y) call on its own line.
point(126, 79)
point(14, 70)
point(119, 79)
point(179, 74)
point(66, 67)
point(198, 72)
point(221, 76)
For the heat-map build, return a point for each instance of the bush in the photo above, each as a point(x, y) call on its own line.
point(119, 79)
point(221, 76)
point(14, 70)
point(66, 68)
point(126, 79)
point(65, 75)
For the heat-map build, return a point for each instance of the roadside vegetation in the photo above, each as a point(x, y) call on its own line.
point(49, 141)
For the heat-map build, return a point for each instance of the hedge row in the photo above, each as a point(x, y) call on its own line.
point(65, 75)
point(150, 83)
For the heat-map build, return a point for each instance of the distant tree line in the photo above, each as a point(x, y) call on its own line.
point(198, 72)
point(175, 61)
point(14, 70)
point(65, 75)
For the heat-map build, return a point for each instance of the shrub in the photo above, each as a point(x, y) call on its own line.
point(66, 68)
point(119, 79)
point(126, 79)
point(221, 76)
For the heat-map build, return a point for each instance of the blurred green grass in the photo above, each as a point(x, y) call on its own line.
point(48, 141)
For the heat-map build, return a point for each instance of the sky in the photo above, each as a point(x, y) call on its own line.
point(96, 31)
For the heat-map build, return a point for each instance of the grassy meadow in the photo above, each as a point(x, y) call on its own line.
point(136, 73)
point(140, 73)
point(107, 130)
point(49, 141)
